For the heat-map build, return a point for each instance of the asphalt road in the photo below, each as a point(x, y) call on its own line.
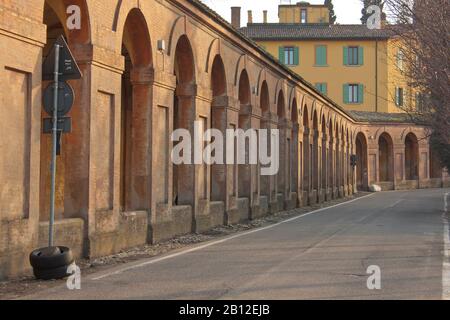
point(321, 255)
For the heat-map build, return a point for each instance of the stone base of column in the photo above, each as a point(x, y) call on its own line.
point(280, 200)
point(131, 231)
point(291, 203)
point(178, 222)
point(273, 207)
point(243, 206)
point(341, 193)
point(255, 212)
point(322, 195)
point(313, 197)
point(211, 216)
point(263, 206)
point(329, 194)
point(305, 199)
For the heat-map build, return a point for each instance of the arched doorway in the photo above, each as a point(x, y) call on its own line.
point(411, 157)
point(306, 156)
point(218, 190)
point(244, 170)
point(136, 114)
point(294, 158)
point(71, 174)
point(315, 163)
point(331, 170)
point(183, 175)
point(385, 158)
point(324, 156)
point(361, 165)
point(284, 154)
point(264, 102)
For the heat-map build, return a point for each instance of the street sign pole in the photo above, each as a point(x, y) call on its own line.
point(54, 149)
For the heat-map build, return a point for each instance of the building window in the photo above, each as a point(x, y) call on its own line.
point(321, 55)
point(353, 93)
point(304, 16)
point(289, 55)
point(353, 56)
point(420, 102)
point(322, 87)
point(400, 59)
point(399, 97)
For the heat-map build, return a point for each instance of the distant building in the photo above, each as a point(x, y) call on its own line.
point(357, 67)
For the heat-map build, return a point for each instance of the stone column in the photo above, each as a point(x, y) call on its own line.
point(142, 80)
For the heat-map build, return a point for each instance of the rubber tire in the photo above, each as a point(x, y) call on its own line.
point(51, 274)
point(65, 258)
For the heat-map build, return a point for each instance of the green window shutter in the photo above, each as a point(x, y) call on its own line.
point(361, 93)
point(296, 56)
point(321, 55)
point(361, 56)
point(345, 56)
point(324, 55)
point(281, 54)
point(346, 93)
point(319, 86)
point(324, 88)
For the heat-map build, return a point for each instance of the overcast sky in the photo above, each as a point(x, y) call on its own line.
point(347, 11)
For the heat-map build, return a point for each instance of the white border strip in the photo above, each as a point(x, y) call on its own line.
point(446, 258)
point(210, 244)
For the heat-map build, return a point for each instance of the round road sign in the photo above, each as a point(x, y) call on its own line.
point(65, 98)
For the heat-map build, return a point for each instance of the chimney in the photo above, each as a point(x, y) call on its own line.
point(265, 16)
point(250, 17)
point(236, 17)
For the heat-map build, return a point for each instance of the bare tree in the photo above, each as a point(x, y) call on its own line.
point(423, 30)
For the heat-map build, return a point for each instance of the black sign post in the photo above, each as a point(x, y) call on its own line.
point(60, 65)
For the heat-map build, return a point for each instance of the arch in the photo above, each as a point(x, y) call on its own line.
point(284, 148)
point(305, 116)
point(183, 109)
point(218, 77)
point(136, 39)
point(315, 120)
point(411, 157)
point(361, 162)
point(135, 112)
point(385, 158)
point(244, 94)
point(184, 62)
point(294, 111)
point(75, 153)
point(241, 65)
point(176, 32)
point(218, 88)
point(265, 108)
point(294, 170)
point(315, 152)
point(79, 36)
point(264, 100)
point(281, 106)
point(214, 50)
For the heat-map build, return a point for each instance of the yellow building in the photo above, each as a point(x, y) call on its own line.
point(357, 67)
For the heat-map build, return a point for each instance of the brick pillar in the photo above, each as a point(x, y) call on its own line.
point(142, 80)
point(325, 169)
point(306, 166)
